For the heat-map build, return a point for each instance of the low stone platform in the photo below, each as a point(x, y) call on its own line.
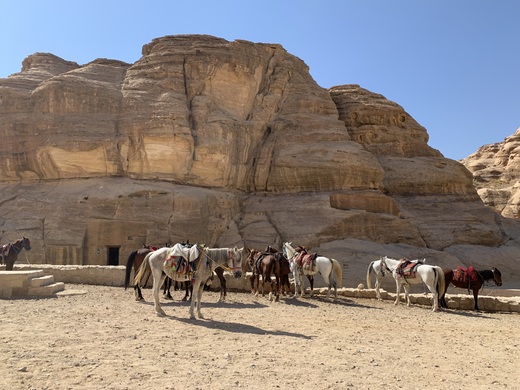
point(31, 283)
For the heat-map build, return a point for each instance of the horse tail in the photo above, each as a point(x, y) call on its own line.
point(370, 269)
point(441, 283)
point(144, 269)
point(338, 271)
point(129, 265)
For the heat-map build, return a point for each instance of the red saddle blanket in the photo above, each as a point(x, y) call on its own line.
point(407, 268)
point(306, 261)
point(465, 275)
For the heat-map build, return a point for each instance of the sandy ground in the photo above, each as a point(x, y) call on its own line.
point(96, 337)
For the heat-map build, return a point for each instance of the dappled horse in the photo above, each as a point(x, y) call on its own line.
point(196, 264)
point(303, 263)
point(9, 252)
point(470, 279)
point(406, 272)
point(265, 265)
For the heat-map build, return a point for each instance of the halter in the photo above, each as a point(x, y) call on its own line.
point(384, 267)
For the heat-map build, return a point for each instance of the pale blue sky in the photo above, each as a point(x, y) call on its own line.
point(451, 64)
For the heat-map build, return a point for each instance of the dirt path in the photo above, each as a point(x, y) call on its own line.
point(101, 339)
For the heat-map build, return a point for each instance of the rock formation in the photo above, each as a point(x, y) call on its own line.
point(496, 174)
point(228, 143)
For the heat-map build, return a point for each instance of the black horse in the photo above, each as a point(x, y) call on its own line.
point(9, 252)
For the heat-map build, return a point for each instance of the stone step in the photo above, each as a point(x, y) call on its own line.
point(42, 281)
point(49, 289)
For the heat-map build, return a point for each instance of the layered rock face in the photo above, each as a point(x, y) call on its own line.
point(496, 173)
point(226, 143)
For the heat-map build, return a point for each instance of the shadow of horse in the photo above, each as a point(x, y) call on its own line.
point(236, 327)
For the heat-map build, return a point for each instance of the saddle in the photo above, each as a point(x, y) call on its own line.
point(465, 275)
point(407, 268)
point(181, 260)
point(306, 261)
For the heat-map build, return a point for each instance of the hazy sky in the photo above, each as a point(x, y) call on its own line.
point(454, 65)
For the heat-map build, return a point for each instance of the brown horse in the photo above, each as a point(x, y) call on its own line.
point(264, 264)
point(285, 270)
point(135, 259)
point(469, 279)
point(9, 252)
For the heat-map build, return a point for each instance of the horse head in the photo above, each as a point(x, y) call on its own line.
point(26, 243)
point(237, 261)
point(384, 266)
point(497, 276)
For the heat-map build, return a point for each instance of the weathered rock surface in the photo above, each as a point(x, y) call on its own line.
point(227, 143)
point(496, 174)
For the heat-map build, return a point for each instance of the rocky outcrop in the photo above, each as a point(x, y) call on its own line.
point(496, 174)
point(226, 143)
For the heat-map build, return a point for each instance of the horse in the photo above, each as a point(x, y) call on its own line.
point(462, 278)
point(264, 264)
point(375, 268)
point(285, 270)
point(135, 259)
point(303, 263)
point(9, 252)
point(198, 266)
point(431, 275)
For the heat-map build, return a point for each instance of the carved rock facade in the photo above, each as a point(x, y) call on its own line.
point(226, 143)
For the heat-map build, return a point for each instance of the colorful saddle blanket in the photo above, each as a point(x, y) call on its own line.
point(465, 275)
point(176, 266)
point(180, 262)
point(407, 268)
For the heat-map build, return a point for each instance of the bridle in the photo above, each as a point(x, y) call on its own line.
point(384, 267)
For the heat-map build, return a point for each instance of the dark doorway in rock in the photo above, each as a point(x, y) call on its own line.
point(113, 255)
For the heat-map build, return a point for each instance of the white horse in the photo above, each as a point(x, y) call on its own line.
point(329, 269)
point(431, 275)
point(375, 268)
point(203, 262)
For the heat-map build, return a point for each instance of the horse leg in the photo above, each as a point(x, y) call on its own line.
point(475, 298)
point(397, 293)
point(407, 294)
point(187, 285)
point(222, 279)
point(158, 278)
point(196, 298)
point(166, 290)
point(311, 281)
point(137, 293)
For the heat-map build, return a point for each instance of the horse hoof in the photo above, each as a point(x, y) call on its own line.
point(160, 313)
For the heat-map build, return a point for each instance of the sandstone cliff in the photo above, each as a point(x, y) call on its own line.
point(228, 143)
point(496, 175)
